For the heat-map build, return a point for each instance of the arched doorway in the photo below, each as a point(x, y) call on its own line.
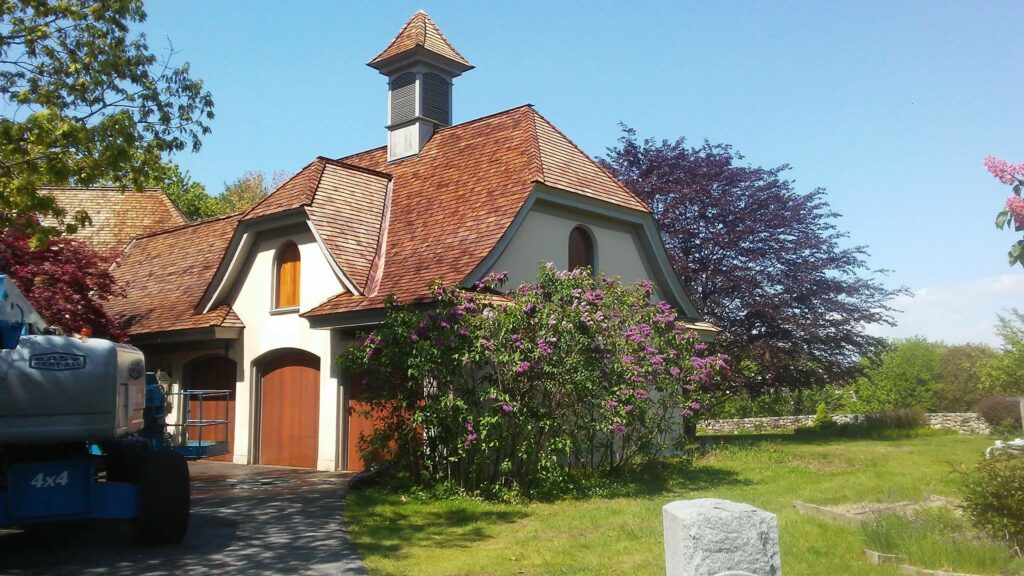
point(214, 373)
point(289, 409)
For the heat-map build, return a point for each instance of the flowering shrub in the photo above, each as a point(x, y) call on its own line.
point(1013, 213)
point(513, 394)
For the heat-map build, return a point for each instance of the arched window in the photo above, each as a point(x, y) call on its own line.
point(287, 273)
point(581, 249)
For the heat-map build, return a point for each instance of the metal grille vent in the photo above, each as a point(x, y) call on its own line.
point(436, 98)
point(403, 97)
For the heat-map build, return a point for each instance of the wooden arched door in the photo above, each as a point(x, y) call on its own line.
point(290, 410)
point(214, 373)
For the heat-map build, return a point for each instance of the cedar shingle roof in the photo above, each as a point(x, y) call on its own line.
point(117, 215)
point(165, 274)
point(452, 202)
point(420, 31)
point(448, 206)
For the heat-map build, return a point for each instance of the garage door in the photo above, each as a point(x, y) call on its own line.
point(290, 410)
point(214, 373)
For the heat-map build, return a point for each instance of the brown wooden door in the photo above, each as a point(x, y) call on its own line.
point(214, 373)
point(290, 410)
point(359, 424)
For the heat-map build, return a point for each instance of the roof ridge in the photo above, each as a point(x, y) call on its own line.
point(283, 184)
point(594, 162)
point(536, 146)
point(319, 177)
point(104, 188)
point(356, 167)
point(209, 220)
point(439, 130)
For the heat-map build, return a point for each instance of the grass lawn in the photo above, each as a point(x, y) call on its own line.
point(622, 535)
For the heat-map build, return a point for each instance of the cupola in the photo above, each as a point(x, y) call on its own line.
point(420, 64)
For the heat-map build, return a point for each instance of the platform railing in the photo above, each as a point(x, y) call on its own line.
point(193, 425)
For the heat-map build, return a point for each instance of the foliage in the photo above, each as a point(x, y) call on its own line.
point(962, 377)
point(907, 374)
point(822, 418)
point(1002, 414)
point(522, 394)
point(764, 262)
point(1013, 212)
point(890, 424)
point(86, 101)
point(1005, 375)
point(781, 402)
point(66, 281)
point(993, 496)
point(247, 190)
point(188, 195)
point(936, 539)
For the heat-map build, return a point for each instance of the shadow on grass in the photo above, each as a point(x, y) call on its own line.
point(384, 523)
point(709, 443)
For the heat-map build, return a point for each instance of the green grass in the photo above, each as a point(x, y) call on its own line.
point(938, 539)
point(621, 534)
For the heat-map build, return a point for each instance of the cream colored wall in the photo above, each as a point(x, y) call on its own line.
point(266, 332)
point(543, 236)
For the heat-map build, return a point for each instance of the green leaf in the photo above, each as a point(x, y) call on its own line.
point(1001, 219)
point(1015, 253)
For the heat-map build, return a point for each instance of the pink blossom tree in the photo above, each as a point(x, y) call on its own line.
point(1013, 212)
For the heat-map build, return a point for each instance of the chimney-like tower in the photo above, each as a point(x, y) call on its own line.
point(420, 65)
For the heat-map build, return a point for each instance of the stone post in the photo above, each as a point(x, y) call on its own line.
point(709, 537)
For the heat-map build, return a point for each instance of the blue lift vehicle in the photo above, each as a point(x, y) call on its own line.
point(83, 432)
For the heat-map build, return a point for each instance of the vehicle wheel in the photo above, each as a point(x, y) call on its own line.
point(125, 460)
point(164, 498)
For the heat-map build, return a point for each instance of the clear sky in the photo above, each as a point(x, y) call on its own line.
point(890, 106)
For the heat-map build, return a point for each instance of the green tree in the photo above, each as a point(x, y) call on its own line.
point(1006, 374)
point(907, 374)
point(188, 195)
point(86, 101)
point(249, 189)
point(962, 379)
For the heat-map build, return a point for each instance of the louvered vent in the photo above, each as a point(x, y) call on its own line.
point(403, 98)
point(437, 98)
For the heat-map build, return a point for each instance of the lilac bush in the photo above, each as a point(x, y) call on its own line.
point(517, 392)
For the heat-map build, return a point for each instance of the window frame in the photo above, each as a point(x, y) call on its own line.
point(591, 239)
point(276, 279)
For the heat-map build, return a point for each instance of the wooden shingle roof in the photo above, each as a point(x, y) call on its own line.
point(420, 32)
point(165, 273)
point(391, 227)
point(117, 215)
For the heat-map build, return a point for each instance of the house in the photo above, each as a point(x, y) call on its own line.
point(117, 216)
point(262, 303)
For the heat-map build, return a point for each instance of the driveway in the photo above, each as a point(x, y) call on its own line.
point(245, 519)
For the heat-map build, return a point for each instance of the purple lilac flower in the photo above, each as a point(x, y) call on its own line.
point(687, 412)
point(629, 408)
point(641, 394)
point(529, 308)
point(612, 404)
point(618, 429)
point(517, 340)
point(487, 344)
point(695, 405)
point(523, 367)
point(544, 347)
point(674, 371)
point(506, 407)
point(414, 337)
point(469, 439)
point(489, 313)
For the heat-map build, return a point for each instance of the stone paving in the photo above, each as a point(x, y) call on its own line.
point(245, 520)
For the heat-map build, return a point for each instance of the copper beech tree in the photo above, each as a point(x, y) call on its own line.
point(764, 262)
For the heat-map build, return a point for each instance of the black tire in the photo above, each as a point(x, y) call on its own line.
point(125, 460)
point(164, 499)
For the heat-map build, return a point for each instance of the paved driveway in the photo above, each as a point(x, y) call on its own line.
point(245, 519)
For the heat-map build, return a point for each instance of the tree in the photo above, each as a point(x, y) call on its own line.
point(962, 382)
point(85, 102)
point(1013, 212)
point(249, 189)
point(1006, 374)
point(763, 262)
point(65, 280)
point(188, 195)
point(908, 375)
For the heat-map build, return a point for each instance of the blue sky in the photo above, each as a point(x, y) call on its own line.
point(890, 106)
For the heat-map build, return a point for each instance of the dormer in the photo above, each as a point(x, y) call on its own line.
point(420, 65)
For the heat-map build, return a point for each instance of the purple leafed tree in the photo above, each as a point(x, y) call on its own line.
point(65, 280)
point(764, 262)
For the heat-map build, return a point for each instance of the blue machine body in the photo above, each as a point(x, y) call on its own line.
point(44, 483)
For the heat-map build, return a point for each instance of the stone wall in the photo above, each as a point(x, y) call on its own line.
point(963, 422)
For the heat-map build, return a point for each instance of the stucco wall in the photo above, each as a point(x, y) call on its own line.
point(543, 236)
point(266, 332)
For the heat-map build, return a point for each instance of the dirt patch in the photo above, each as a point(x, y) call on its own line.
point(866, 510)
